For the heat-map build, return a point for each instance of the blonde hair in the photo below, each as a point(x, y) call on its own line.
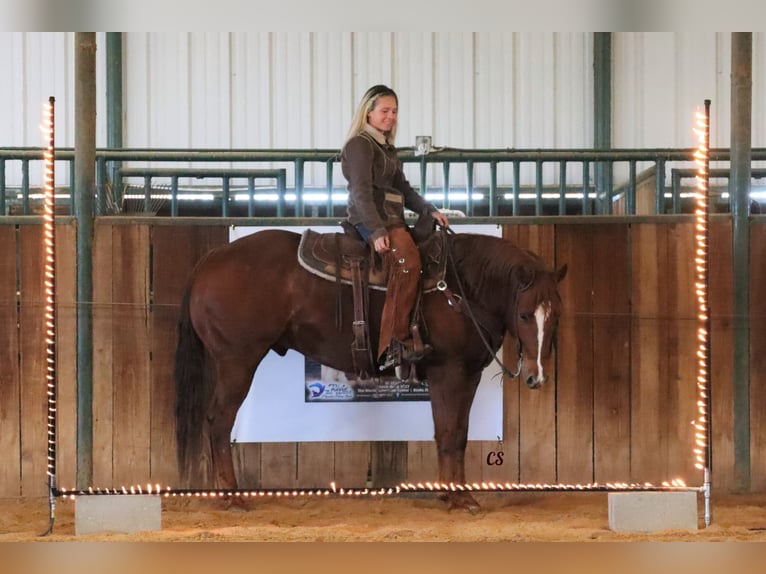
point(366, 105)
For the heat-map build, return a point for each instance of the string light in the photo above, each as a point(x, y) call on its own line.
point(702, 424)
point(677, 484)
point(701, 216)
point(49, 238)
point(701, 450)
point(49, 277)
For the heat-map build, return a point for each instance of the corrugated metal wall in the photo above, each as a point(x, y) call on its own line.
point(298, 90)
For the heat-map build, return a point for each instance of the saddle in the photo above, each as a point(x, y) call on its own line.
point(346, 259)
point(334, 255)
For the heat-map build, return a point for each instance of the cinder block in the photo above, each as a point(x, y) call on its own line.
point(652, 511)
point(117, 513)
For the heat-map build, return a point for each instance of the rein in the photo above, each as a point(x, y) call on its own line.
point(479, 329)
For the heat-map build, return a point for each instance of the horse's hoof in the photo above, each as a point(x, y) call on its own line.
point(236, 504)
point(471, 508)
point(474, 509)
point(462, 501)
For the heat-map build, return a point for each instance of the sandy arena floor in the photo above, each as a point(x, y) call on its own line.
point(422, 518)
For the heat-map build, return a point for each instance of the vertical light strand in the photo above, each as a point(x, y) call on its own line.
point(49, 235)
point(703, 437)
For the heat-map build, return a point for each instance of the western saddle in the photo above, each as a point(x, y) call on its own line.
point(348, 260)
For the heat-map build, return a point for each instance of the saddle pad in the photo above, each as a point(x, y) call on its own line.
point(319, 254)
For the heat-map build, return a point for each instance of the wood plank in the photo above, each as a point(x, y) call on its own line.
point(648, 452)
point(511, 415)
point(66, 354)
point(757, 356)
point(10, 387)
point(511, 391)
point(173, 258)
point(537, 409)
point(681, 360)
point(316, 464)
point(247, 464)
point(131, 338)
point(175, 252)
point(721, 345)
point(389, 463)
point(611, 353)
point(574, 381)
point(352, 463)
point(495, 461)
point(103, 352)
point(33, 363)
point(422, 462)
point(279, 462)
point(474, 461)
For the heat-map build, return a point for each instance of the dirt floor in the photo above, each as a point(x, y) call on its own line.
point(408, 518)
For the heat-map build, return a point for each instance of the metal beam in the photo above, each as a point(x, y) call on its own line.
point(85, 184)
point(739, 192)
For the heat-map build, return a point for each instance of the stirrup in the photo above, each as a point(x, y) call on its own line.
point(409, 353)
point(391, 358)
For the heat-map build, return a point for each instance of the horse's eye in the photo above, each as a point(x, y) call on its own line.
point(524, 317)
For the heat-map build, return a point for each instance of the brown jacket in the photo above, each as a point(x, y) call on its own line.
point(378, 189)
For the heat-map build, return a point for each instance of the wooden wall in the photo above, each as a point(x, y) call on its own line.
point(620, 407)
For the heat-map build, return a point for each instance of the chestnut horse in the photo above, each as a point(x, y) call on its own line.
point(252, 295)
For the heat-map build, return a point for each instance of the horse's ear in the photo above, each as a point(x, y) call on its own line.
point(525, 276)
point(560, 273)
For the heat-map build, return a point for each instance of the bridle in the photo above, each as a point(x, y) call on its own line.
point(442, 286)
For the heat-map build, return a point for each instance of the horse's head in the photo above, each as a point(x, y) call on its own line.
point(535, 320)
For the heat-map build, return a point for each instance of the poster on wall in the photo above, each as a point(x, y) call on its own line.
point(324, 384)
point(295, 399)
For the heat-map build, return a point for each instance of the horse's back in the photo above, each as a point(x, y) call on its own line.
point(251, 277)
point(270, 240)
point(269, 248)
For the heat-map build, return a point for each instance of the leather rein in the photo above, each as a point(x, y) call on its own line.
point(442, 286)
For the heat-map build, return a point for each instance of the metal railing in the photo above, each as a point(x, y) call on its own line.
point(479, 182)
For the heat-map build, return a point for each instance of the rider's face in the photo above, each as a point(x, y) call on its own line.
point(383, 114)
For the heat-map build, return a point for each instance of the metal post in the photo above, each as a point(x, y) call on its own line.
point(2, 187)
point(299, 167)
point(114, 110)
point(26, 206)
point(493, 188)
point(85, 159)
point(602, 116)
point(445, 186)
point(562, 187)
point(469, 188)
point(516, 186)
point(739, 192)
point(329, 167)
point(538, 187)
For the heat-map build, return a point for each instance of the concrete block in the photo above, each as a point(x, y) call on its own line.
point(117, 513)
point(652, 511)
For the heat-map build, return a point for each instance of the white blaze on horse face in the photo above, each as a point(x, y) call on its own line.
point(542, 313)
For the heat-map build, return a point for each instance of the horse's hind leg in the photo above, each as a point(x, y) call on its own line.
point(233, 382)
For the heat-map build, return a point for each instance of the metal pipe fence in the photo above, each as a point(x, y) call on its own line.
point(308, 183)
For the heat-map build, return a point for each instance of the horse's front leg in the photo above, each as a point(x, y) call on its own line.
point(452, 393)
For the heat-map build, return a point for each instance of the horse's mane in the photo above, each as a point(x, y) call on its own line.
point(491, 267)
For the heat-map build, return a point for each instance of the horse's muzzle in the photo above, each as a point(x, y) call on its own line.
point(534, 383)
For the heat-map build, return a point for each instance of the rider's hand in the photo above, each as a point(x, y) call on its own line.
point(440, 218)
point(382, 244)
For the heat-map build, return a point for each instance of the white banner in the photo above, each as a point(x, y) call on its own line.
point(276, 409)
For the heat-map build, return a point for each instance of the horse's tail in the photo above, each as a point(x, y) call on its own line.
point(193, 387)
